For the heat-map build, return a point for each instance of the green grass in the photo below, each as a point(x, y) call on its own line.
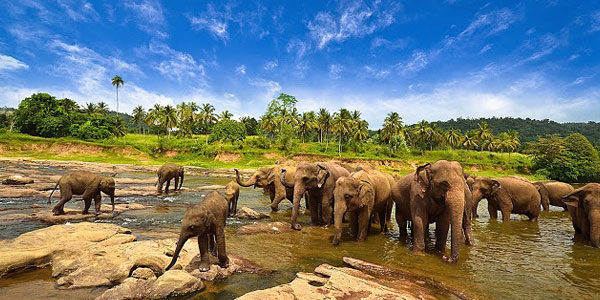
point(150, 150)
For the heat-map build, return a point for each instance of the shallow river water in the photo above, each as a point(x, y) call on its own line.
point(514, 260)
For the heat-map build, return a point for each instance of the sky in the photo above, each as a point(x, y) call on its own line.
point(432, 60)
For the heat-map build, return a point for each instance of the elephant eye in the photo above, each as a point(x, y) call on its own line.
point(347, 196)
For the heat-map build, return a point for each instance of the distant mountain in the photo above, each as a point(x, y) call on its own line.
point(529, 129)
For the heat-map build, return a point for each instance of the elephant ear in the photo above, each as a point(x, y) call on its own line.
point(422, 178)
point(366, 196)
point(574, 197)
point(495, 186)
point(322, 176)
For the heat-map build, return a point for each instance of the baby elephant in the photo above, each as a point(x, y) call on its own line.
point(205, 220)
point(232, 193)
point(87, 184)
point(166, 173)
point(584, 208)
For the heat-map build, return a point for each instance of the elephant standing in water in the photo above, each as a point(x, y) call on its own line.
point(362, 194)
point(552, 193)
point(318, 179)
point(509, 195)
point(167, 172)
point(232, 193)
point(584, 207)
point(205, 220)
point(434, 193)
point(268, 179)
point(87, 184)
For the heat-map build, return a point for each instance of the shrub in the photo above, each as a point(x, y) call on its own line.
point(228, 130)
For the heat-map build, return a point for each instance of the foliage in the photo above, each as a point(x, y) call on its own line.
point(228, 130)
point(572, 159)
point(250, 124)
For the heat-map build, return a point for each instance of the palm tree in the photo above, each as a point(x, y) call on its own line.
point(225, 115)
point(361, 131)
point(341, 125)
point(102, 108)
point(484, 134)
point(90, 108)
point(268, 124)
point(423, 132)
point(453, 137)
point(185, 119)
point(392, 125)
point(307, 122)
point(324, 121)
point(117, 81)
point(169, 118)
point(139, 117)
point(470, 140)
point(155, 116)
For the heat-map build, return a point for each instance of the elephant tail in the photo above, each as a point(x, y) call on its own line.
point(52, 193)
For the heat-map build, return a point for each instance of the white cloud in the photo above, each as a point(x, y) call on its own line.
point(213, 21)
point(241, 70)
point(177, 65)
point(418, 61)
point(82, 11)
point(595, 21)
point(148, 16)
point(335, 71)
point(353, 19)
point(270, 89)
point(10, 63)
point(379, 42)
point(542, 46)
point(491, 23)
point(581, 80)
point(271, 65)
point(485, 49)
point(376, 72)
point(298, 46)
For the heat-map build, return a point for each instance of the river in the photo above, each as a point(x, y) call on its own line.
point(514, 260)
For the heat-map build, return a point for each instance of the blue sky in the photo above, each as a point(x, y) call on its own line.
point(430, 60)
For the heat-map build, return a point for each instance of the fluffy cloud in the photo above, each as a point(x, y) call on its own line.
point(241, 70)
point(335, 71)
point(11, 63)
point(177, 65)
point(271, 65)
point(148, 16)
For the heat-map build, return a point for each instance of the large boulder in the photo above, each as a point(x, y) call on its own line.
point(249, 214)
point(17, 180)
point(47, 216)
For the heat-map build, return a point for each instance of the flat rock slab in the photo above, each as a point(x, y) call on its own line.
point(272, 228)
point(17, 180)
point(86, 255)
point(328, 282)
point(247, 213)
point(47, 216)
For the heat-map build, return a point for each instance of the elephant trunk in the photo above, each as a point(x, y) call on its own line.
point(594, 218)
point(455, 201)
point(545, 195)
point(299, 190)
point(182, 239)
point(283, 182)
point(338, 217)
point(251, 181)
point(477, 196)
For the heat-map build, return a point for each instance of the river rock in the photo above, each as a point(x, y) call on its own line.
point(272, 227)
point(47, 216)
point(249, 214)
point(17, 180)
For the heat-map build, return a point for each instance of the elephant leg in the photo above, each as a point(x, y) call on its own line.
point(159, 185)
point(211, 245)
point(176, 183)
point(65, 196)
point(275, 201)
point(441, 231)
point(167, 187)
point(505, 209)
point(97, 203)
point(401, 223)
point(235, 199)
point(467, 229)
point(221, 251)
point(382, 220)
point(420, 222)
point(87, 203)
point(314, 210)
point(326, 208)
point(353, 224)
point(271, 193)
point(493, 211)
point(204, 257)
point(364, 218)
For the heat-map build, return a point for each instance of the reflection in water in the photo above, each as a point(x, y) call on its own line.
point(517, 259)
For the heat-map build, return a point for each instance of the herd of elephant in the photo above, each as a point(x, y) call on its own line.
point(440, 193)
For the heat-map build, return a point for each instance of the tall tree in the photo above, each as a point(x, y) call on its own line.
point(102, 108)
point(341, 125)
point(453, 137)
point(117, 81)
point(225, 115)
point(306, 124)
point(484, 134)
point(392, 125)
point(139, 118)
point(324, 120)
point(169, 118)
point(90, 108)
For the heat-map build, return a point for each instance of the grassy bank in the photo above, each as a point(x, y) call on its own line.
point(150, 150)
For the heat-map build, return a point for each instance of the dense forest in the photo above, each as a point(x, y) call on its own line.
point(529, 129)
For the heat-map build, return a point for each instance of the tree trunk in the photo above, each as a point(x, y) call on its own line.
point(117, 99)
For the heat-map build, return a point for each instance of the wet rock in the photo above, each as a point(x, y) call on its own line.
point(236, 265)
point(249, 214)
point(17, 192)
point(272, 227)
point(173, 283)
point(143, 273)
point(47, 216)
point(328, 282)
point(14, 217)
point(17, 180)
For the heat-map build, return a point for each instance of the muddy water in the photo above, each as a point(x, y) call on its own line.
point(514, 260)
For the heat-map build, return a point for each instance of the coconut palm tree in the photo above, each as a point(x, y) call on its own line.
point(155, 117)
point(453, 137)
point(306, 124)
point(423, 132)
point(102, 108)
point(392, 125)
point(90, 108)
point(117, 81)
point(484, 134)
point(139, 117)
point(361, 131)
point(225, 115)
point(324, 120)
point(186, 117)
point(169, 119)
point(469, 140)
point(341, 125)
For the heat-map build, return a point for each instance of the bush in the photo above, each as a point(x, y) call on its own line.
point(96, 128)
point(228, 130)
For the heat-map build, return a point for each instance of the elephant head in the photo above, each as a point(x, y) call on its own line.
point(350, 194)
point(544, 194)
point(261, 178)
point(107, 186)
point(484, 187)
point(195, 223)
point(443, 182)
point(308, 176)
point(586, 201)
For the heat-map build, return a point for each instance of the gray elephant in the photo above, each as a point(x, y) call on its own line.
point(552, 193)
point(87, 184)
point(318, 179)
point(434, 193)
point(267, 178)
point(167, 172)
point(584, 207)
point(509, 195)
point(362, 195)
point(232, 193)
point(205, 220)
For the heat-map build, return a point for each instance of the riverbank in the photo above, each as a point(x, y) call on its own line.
point(147, 150)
